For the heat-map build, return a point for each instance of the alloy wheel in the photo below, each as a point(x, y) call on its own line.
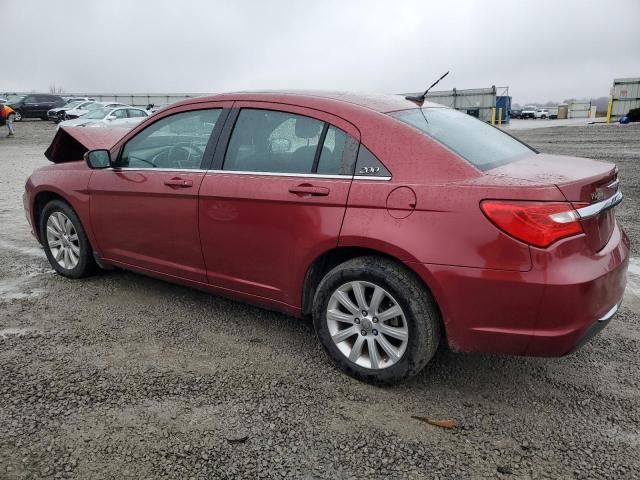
point(63, 241)
point(367, 325)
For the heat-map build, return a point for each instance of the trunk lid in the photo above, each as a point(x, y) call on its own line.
point(583, 183)
point(71, 143)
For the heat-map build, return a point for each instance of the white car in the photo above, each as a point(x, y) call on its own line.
point(122, 117)
point(529, 111)
point(57, 114)
point(87, 107)
point(79, 99)
point(542, 113)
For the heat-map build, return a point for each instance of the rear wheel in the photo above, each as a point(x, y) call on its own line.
point(376, 320)
point(65, 241)
point(18, 116)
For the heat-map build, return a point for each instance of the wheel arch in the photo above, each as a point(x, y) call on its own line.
point(334, 257)
point(41, 199)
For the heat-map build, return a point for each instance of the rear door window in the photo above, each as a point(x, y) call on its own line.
point(338, 153)
point(135, 113)
point(282, 142)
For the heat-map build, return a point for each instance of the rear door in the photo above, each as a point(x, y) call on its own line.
point(134, 116)
point(274, 200)
point(31, 107)
point(118, 118)
point(144, 212)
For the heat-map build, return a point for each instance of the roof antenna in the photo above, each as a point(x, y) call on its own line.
point(419, 99)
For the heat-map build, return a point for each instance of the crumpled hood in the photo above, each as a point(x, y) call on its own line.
point(71, 143)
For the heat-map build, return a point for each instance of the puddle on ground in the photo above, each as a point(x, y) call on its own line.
point(15, 331)
point(16, 289)
point(632, 293)
point(633, 277)
point(29, 251)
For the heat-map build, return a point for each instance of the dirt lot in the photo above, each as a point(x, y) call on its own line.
point(122, 376)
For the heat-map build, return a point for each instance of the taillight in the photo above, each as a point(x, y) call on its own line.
point(535, 223)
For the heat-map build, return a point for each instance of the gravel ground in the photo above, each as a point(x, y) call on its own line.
point(122, 376)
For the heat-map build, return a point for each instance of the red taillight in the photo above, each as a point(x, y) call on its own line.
point(535, 223)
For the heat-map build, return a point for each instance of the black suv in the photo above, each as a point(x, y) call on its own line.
point(35, 105)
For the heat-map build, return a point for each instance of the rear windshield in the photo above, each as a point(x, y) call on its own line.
point(482, 145)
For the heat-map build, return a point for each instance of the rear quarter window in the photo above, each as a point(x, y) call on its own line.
point(482, 145)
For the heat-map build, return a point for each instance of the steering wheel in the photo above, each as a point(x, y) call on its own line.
point(177, 154)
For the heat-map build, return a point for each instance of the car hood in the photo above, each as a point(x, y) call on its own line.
point(71, 143)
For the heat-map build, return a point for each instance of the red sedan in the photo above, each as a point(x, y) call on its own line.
point(396, 226)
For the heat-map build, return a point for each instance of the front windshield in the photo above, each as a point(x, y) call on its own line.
point(480, 144)
point(98, 114)
point(73, 104)
point(15, 98)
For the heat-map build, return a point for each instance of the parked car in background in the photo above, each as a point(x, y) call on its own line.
point(34, 105)
point(553, 113)
point(79, 99)
point(392, 224)
point(542, 113)
point(122, 117)
point(3, 100)
point(57, 114)
point(529, 111)
point(87, 107)
point(515, 113)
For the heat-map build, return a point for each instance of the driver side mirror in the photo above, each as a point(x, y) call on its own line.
point(98, 159)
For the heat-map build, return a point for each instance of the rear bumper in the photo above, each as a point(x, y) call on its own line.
point(551, 310)
point(596, 328)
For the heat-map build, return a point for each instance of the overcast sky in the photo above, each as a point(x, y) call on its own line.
point(542, 49)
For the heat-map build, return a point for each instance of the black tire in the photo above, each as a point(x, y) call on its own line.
point(18, 116)
point(419, 308)
point(86, 264)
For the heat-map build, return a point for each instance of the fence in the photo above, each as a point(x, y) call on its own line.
point(133, 99)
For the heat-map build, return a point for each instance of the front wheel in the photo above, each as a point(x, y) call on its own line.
point(65, 241)
point(376, 320)
point(18, 116)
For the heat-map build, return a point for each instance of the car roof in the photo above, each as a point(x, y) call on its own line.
point(323, 100)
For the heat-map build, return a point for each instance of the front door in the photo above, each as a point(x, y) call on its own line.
point(275, 200)
point(144, 212)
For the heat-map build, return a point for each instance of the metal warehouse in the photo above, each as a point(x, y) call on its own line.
point(579, 109)
point(625, 96)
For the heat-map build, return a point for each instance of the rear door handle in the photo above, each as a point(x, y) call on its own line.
point(306, 190)
point(179, 182)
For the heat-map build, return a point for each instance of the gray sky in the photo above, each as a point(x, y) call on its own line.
point(542, 49)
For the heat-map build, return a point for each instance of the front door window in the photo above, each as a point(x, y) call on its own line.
point(174, 142)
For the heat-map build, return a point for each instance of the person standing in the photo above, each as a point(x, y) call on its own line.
point(8, 114)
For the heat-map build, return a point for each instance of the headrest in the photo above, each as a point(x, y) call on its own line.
point(307, 128)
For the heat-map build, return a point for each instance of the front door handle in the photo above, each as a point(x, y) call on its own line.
point(179, 182)
point(308, 190)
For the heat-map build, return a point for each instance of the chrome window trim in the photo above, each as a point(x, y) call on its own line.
point(142, 169)
point(265, 174)
point(596, 208)
point(283, 174)
point(367, 177)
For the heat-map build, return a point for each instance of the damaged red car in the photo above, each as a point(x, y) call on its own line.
point(397, 226)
